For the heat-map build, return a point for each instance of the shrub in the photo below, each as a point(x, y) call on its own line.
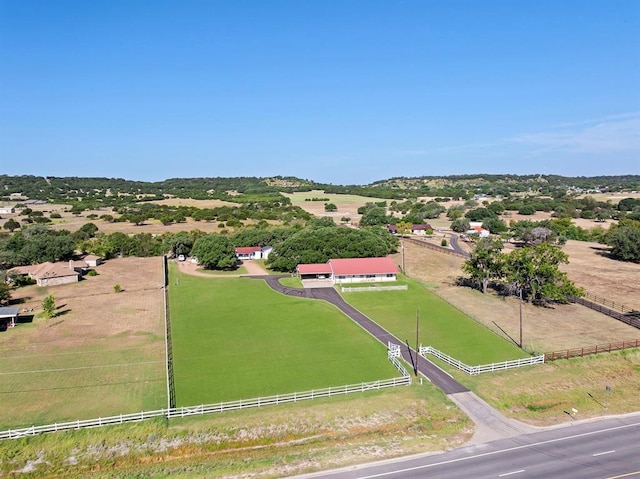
point(49, 306)
point(527, 210)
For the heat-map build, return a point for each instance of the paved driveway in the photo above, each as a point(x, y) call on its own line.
point(490, 424)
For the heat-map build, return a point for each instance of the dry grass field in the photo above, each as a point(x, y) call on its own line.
point(347, 204)
point(589, 267)
point(544, 329)
point(102, 354)
point(73, 223)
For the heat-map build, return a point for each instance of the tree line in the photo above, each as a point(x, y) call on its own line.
point(317, 240)
point(117, 191)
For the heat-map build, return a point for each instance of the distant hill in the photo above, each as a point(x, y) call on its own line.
point(117, 190)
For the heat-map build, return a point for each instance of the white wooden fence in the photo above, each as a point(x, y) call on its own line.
point(354, 289)
point(207, 408)
point(485, 368)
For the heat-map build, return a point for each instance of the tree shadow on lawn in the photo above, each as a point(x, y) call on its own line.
point(14, 301)
point(61, 313)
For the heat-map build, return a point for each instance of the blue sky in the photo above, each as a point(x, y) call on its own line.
point(344, 92)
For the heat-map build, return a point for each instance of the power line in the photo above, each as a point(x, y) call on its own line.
point(79, 368)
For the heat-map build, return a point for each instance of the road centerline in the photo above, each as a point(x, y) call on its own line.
point(510, 473)
point(603, 453)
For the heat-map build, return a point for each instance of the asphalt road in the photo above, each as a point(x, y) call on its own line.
point(607, 448)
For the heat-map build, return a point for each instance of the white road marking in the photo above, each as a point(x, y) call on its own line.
point(493, 453)
point(603, 453)
point(510, 473)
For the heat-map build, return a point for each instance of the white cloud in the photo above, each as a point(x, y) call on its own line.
point(609, 135)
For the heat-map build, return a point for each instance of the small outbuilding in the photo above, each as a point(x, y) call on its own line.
point(8, 317)
point(92, 260)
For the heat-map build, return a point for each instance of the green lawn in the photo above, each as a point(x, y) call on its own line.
point(440, 324)
point(235, 338)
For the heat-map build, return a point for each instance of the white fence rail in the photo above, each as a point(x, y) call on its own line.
point(208, 408)
point(355, 289)
point(400, 368)
point(485, 368)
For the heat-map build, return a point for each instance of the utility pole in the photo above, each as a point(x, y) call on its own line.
point(417, 333)
point(520, 301)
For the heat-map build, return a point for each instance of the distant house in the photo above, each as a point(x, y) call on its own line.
point(253, 252)
point(7, 210)
point(478, 230)
point(49, 274)
point(417, 229)
point(422, 229)
point(351, 270)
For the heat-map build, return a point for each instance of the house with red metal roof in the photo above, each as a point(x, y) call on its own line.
point(351, 270)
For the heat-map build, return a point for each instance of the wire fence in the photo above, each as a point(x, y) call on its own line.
point(630, 317)
point(442, 249)
point(588, 350)
point(171, 387)
point(607, 302)
point(484, 368)
point(208, 408)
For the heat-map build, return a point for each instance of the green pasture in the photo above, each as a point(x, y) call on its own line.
point(439, 324)
point(291, 282)
point(235, 338)
point(232, 272)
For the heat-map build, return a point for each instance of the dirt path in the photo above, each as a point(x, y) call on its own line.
point(253, 269)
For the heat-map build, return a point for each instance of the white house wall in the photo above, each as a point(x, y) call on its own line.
point(364, 279)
